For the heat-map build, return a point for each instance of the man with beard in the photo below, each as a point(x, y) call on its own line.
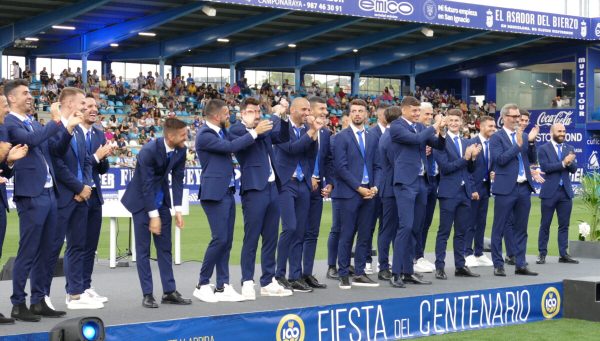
point(557, 161)
point(357, 172)
point(217, 187)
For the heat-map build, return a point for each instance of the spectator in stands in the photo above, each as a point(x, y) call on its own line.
point(44, 76)
point(141, 81)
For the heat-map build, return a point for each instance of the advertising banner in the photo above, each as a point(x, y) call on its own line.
point(447, 13)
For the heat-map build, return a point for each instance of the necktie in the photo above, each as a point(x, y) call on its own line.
point(28, 124)
point(232, 181)
point(560, 158)
point(88, 142)
point(486, 154)
point(521, 166)
point(361, 144)
point(160, 195)
point(299, 173)
point(76, 151)
point(457, 145)
point(414, 126)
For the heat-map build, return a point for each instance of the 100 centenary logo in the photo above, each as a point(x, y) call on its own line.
point(550, 302)
point(291, 328)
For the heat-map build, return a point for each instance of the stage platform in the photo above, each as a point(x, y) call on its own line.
point(121, 286)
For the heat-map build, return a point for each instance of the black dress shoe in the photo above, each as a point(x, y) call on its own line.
point(175, 298)
point(351, 270)
point(345, 282)
point(313, 282)
point(396, 282)
point(465, 272)
point(44, 310)
point(512, 260)
point(6, 320)
point(567, 259)
point(413, 279)
point(300, 285)
point(149, 302)
point(418, 274)
point(332, 273)
point(499, 272)
point(384, 275)
point(525, 271)
point(21, 313)
point(440, 274)
point(363, 281)
point(284, 282)
point(541, 259)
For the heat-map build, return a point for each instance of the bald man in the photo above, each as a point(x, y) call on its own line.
point(557, 159)
point(294, 163)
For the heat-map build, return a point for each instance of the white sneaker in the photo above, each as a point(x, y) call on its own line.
point(248, 291)
point(471, 261)
point(84, 302)
point(93, 294)
point(429, 264)
point(48, 302)
point(229, 295)
point(422, 266)
point(205, 294)
point(274, 289)
point(483, 260)
point(368, 269)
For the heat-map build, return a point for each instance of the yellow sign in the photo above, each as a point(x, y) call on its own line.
point(290, 328)
point(550, 303)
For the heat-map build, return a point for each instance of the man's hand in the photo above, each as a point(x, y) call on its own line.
point(285, 107)
point(78, 198)
point(536, 174)
point(17, 152)
point(475, 196)
point(365, 193)
point(476, 150)
point(86, 192)
point(75, 119)
point(492, 175)
point(374, 191)
point(428, 150)
point(4, 150)
point(533, 133)
point(263, 126)
point(315, 183)
point(103, 151)
point(568, 160)
point(155, 225)
point(55, 111)
point(178, 220)
point(326, 191)
point(3, 180)
point(519, 137)
point(468, 153)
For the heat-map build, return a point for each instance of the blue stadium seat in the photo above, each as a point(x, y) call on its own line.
point(119, 104)
point(103, 111)
point(120, 112)
point(111, 111)
point(110, 103)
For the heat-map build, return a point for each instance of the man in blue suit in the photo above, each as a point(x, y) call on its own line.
point(456, 162)
point(389, 221)
point(557, 160)
point(433, 176)
point(260, 199)
point(376, 130)
point(294, 162)
point(97, 148)
point(34, 195)
point(410, 184)
point(512, 188)
point(321, 188)
point(217, 186)
point(147, 197)
point(357, 172)
point(334, 234)
point(479, 207)
point(74, 178)
point(7, 157)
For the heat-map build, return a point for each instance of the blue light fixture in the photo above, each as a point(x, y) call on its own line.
point(79, 329)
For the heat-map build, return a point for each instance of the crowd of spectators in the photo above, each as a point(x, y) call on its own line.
point(131, 113)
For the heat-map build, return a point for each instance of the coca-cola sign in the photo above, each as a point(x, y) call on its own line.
point(563, 116)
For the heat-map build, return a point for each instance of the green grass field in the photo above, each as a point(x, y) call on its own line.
point(196, 234)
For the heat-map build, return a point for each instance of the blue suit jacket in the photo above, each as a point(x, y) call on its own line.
point(552, 166)
point(481, 172)
point(325, 156)
point(30, 172)
point(254, 159)
point(98, 140)
point(66, 168)
point(454, 170)
point(214, 154)
point(506, 164)
point(387, 157)
point(288, 154)
point(151, 174)
point(410, 147)
point(349, 163)
point(6, 172)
